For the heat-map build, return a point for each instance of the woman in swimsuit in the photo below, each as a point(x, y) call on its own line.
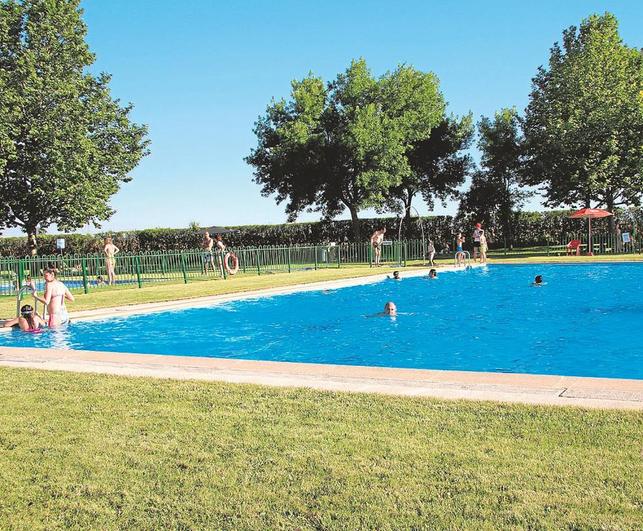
point(28, 320)
point(459, 249)
point(54, 299)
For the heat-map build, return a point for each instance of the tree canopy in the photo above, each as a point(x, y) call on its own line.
point(344, 145)
point(584, 122)
point(439, 163)
point(496, 188)
point(65, 144)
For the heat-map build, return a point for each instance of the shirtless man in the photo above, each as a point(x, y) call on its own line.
point(54, 299)
point(110, 251)
point(376, 242)
point(208, 256)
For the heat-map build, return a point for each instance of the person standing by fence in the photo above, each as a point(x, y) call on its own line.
point(110, 251)
point(376, 243)
point(208, 256)
point(477, 232)
point(220, 253)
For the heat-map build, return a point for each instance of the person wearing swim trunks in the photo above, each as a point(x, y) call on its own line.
point(110, 251)
point(376, 243)
point(477, 232)
point(56, 293)
point(28, 320)
point(208, 255)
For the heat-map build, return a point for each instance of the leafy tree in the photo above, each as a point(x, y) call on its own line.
point(438, 165)
point(343, 145)
point(496, 189)
point(584, 122)
point(65, 144)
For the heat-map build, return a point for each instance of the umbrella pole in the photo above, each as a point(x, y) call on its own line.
point(590, 247)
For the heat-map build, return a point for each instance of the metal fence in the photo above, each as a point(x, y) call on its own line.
point(89, 272)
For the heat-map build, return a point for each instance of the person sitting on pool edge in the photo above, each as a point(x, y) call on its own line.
point(28, 320)
point(433, 274)
point(538, 281)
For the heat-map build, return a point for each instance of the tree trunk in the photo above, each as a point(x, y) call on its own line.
point(612, 221)
point(32, 243)
point(407, 213)
point(355, 223)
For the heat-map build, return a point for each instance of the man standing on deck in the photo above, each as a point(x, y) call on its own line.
point(208, 256)
point(477, 232)
point(376, 243)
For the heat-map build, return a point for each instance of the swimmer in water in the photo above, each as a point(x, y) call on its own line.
point(538, 281)
point(433, 274)
point(390, 309)
point(28, 320)
point(396, 275)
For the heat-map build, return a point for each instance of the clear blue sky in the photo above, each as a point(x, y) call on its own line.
point(200, 72)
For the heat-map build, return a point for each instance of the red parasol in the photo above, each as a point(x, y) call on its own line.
point(590, 213)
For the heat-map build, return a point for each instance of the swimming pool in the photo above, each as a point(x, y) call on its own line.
point(585, 321)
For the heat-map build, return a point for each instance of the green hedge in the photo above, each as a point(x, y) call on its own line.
point(530, 229)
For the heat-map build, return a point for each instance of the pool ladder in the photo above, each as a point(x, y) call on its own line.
point(27, 288)
point(467, 258)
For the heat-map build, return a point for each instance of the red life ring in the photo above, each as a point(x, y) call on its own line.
point(233, 268)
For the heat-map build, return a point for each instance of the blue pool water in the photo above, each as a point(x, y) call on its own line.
point(585, 321)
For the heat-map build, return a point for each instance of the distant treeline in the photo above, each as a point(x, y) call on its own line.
point(531, 229)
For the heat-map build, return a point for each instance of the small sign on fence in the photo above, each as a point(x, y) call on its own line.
point(626, 237)
point(60, 244)
point(387, 242)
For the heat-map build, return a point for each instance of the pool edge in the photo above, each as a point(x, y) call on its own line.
point(602, 393)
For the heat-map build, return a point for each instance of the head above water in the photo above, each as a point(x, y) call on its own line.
point(26, 310)
point(433, 273)
point(396, 275)
point(390, 308)
point(538, 279)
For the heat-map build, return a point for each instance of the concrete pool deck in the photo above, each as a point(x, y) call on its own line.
point(504, 387)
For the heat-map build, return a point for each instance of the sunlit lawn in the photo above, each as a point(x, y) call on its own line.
point(102, 452)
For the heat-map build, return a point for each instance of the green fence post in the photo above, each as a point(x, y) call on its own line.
point(85, 283)
point(258, 264)
point(339, 256)
point(406, 253)
point(137, 264)
point(21, 272)
point(315, 253)
point(289, 266)
point(221, 260)
point(183, 267)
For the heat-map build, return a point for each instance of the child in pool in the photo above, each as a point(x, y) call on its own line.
point(28, 320)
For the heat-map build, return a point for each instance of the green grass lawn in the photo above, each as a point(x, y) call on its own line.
point(104, 452)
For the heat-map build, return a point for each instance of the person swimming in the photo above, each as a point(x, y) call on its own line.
point(433, 274)
point(390, 309)
point(396, 275)
point(538, 281)
point(28, 320)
